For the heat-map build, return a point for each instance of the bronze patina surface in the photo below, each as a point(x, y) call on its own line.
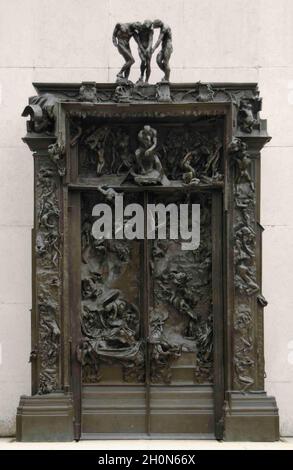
point(137, 338)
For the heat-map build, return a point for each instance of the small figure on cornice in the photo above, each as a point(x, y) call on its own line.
point(247, 114)
point(122, 34)
point(144, 39)
point(238, 150)
point(163, 57)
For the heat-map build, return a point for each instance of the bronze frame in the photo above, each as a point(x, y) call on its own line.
point(240, 414)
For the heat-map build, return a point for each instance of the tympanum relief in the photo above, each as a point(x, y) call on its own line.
point(151, 155)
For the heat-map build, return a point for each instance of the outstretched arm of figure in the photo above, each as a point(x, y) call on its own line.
point(114, 37)
point(160, 38)
point(137, 40)
point(102, 190)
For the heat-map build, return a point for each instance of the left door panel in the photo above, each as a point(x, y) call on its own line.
point(112, 328)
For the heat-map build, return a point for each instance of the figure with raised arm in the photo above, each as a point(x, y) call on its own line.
point(163, 57)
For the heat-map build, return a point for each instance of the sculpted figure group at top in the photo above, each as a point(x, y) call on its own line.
point(143, 34)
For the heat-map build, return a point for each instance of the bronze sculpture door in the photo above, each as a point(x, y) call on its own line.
point(147, 324)
point(133, 331)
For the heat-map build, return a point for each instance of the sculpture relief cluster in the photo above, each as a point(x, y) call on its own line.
point(143, 34)
point(182, 288)
point(152, 158)
point(110, 322)
point(181, 320)
point(42, 109)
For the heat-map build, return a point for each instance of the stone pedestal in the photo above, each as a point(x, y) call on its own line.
point(45, 418)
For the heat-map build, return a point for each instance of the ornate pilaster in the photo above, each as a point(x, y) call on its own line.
point(250, 414)
point(48, 280)
point(246, 288)
point(47, 268)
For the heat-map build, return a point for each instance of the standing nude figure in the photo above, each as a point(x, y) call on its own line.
point(122, 34)
point(144, 39)
point(164, 55)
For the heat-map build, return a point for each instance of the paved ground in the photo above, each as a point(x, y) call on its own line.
point(284, 444)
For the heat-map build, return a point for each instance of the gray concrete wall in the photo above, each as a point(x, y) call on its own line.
point(214, 40)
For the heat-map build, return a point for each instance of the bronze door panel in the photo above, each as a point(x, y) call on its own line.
point(111, 283)
point(181, 303)
point(147, 329)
